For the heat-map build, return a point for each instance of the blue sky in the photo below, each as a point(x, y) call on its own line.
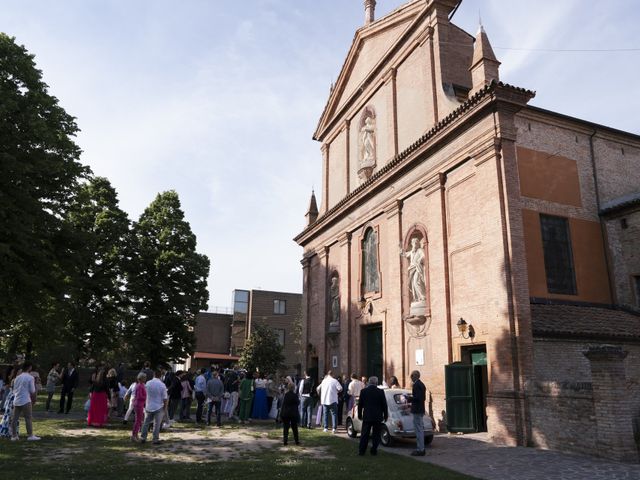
point(218, 99)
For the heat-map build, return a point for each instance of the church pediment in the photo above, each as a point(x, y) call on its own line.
point(371, 46)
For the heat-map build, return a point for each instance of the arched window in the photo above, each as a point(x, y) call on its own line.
point(370, 274)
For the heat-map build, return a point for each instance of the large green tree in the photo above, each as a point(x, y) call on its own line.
point(262, 351)
point(39, 176)
point(167, 282)
point(97, 302)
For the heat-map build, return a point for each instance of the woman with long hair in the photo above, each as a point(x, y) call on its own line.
point(99, 402)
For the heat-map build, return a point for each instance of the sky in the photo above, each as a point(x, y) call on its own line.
point(218, 100)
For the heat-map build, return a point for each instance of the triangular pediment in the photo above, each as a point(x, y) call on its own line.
point(370, 46)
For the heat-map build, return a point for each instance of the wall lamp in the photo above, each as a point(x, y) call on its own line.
point(466, 330)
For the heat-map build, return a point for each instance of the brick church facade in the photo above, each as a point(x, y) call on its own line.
point(460, 227)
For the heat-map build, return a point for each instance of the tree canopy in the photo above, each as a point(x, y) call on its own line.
point(77, 280)
point(167, 281)
point(39, 176)
point(262, 351)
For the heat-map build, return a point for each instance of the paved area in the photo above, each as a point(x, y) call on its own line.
point(474, 455)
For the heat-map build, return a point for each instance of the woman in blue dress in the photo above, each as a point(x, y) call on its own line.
point(260, 410)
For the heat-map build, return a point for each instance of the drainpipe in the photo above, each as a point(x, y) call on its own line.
point(603, 230)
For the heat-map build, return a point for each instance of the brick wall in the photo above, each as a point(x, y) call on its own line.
point(261, 309)
point(213, 332)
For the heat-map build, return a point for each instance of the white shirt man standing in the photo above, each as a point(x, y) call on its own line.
point(328, 390)
point(24, 388)
point(157, 399)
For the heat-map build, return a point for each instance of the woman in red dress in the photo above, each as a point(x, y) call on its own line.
point(99, 404)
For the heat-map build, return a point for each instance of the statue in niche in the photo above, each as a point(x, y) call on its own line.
point(367, 157)
point(334, 294)
point(417, 283)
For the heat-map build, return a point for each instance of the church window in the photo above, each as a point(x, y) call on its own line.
point(558, 255)
point(370, 273)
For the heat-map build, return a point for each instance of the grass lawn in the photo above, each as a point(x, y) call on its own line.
point(68, 450)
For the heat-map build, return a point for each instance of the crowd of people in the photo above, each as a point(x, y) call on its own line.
point(156, 396)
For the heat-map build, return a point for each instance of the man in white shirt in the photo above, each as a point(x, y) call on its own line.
point(328, 391)
point(354, 389)
point(24, 388)
point(154, 408)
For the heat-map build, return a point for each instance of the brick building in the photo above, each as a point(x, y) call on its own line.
point(213, 341)
point(278, 310)
point(490, 244)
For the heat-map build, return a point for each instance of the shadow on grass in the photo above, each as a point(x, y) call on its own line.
point(257, 453)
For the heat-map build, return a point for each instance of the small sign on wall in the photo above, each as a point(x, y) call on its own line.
point(334, 361)
point(420, 357)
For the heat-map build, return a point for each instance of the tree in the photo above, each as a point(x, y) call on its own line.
point(262, 351)
point(98, 306)
point(167, 282)
point(39, 175)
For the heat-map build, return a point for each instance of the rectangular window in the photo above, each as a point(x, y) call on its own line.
point(280, 335)
point(558, 255)
point(240, 301)
point(636, 287)
point(279, 307)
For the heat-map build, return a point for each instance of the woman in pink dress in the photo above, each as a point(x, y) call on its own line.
point(140, 399)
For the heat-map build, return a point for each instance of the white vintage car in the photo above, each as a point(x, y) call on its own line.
point(400, 421)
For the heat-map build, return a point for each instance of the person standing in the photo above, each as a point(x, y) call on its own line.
point(69, 385)
point(99, 401)
point(138, 400)
point(355, 387)
point(418, 397)
point(175, 393)
point(374, 403)
point(305, 390)
point(185, 395)
point(246, 396)
point(259, 410)
point(200, 387)
point(24, 388)
point(232, 384)
point(215, 390)
point(53, 378)
point(154, 410)
point(290, 414)
point(328, 390)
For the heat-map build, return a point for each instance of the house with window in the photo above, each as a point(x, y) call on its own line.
point(465, 233)
point(280, 311)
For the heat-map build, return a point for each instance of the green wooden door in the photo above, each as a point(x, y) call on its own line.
point(461, 402)
point(374, 352)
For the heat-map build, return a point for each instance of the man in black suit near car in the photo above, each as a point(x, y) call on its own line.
point(374, 403)
point(69, 384)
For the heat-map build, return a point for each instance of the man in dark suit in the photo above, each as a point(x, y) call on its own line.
point(374, 404)
point(418, 397)
point(69, 384)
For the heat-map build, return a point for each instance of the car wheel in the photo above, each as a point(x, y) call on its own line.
point(428, 439)
point(350, 430)
point(385, 436)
